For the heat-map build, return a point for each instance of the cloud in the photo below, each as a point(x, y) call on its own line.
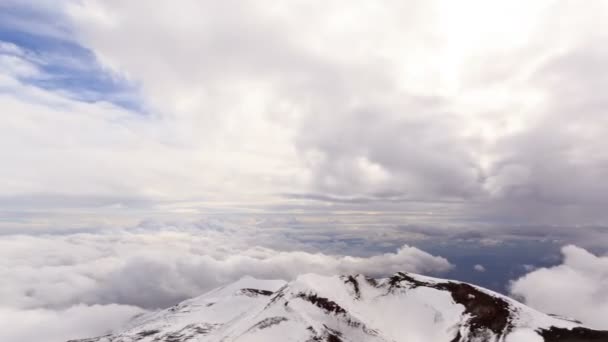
point(308, 90)
point(333, 106)
point(78, 321)
point(157, 269)
point(84, 284)
point(577, 288)
point(479, 268)
point(447, 114)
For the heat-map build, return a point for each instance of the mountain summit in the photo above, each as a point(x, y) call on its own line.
point(313, 308)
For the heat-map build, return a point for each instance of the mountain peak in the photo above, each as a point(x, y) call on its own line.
point(403, 307)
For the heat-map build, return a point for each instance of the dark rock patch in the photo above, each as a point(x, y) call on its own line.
point(148, 332)
point(329, 335)
point(355, 284)
point(94, 339)
point(181, 308)
point(333, 338)
point(566, 319)
point(332, 335)
point(373, 282)
point(280, 293)
point(493, 313)
point(187, 333)
point(171, 337)
point(487, 312)
point(322, 302)
point(255, 292)
point(268, 322)
point(395, 281)
point(577, 334)
point(201, 329)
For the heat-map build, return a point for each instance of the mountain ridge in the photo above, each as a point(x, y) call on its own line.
point(314, 308)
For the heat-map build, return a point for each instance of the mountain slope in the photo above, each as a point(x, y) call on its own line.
point(404, 307)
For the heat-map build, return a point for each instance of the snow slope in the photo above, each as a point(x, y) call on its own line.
point(404, 307)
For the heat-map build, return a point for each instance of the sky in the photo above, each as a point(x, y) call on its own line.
point(152, 150)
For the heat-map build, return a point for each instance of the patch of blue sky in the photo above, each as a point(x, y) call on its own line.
point(63, 65)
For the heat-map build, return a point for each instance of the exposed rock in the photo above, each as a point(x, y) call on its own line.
point(577, 334)
point(256, 292)
point(324, 303)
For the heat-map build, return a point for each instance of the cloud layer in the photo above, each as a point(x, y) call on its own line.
point(83, 284)
point(578, 288)
point(484, 109)
point(157, 269)
point(62, 325)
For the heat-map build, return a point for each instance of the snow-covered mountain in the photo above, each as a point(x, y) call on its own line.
point(404, 307)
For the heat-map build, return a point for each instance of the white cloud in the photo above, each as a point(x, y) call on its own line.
point(14, 65)
point(156, 269)
point(247, 100)
point(78, 321)
point(577, 288)
point(434, 109)
point(479, 268)
point(10, 49)
point(529, 268)
point(84, 284)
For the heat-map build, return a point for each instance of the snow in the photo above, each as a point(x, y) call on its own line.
point(313, 307)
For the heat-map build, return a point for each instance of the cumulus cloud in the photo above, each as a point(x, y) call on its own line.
point(84, 284)
point(157, 269)
point(577, 288)
point(79, 321)
point(243, 102)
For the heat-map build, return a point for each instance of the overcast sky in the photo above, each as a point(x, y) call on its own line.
point(294, 132)
point(492, 110)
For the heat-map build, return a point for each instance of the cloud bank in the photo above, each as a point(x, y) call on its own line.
point(80, 285)
point(578, 288)
point(30, 325)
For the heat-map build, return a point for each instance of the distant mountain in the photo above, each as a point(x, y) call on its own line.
point(405, 307)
